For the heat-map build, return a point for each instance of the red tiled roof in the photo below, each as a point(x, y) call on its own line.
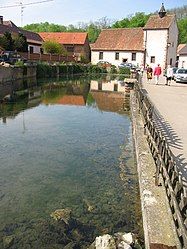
point(9, 26)
point(72, 100)
point(64, 37)
point(156, 22)
point(180, 46)
point(120, 39)
point(67, 100)
point(182, 49)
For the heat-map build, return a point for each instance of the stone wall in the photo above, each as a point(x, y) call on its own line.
point(14, 78)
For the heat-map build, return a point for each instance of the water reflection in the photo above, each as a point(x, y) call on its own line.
point(70, 149)
point(81, 92)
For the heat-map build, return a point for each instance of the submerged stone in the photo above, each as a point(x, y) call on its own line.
point(62, 215)
point(105, 242)
point(8, 241)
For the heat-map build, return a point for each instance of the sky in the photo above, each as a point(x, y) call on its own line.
point(65, 12)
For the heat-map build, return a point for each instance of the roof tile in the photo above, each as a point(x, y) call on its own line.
point(65, 37)
point(156, 22)
point(120, 39)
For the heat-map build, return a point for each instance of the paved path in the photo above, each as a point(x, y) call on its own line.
point(171, 102)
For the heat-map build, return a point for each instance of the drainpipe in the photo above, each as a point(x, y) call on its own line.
point(167, 47)
point(145, 50)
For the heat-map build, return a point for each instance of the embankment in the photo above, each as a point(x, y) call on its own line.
point(159, 229)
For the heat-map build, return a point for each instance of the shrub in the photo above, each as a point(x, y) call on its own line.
point(113, 69)
point(124, 70)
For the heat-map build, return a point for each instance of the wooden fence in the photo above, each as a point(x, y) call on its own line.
point(165, 165)
point(46, 57)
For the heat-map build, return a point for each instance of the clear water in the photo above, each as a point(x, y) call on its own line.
point(60, 150)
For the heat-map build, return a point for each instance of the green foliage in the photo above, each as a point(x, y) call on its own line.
point(3, 42)
point(113, 69)
point(19, 63)
point(93, 32)
point(182, 25)
point(45, 27)
point(20, 43)
point(52, 47)
point(7, 42)
point(45, 70)
point(137, 20)
point(94, 69)
point(124, 70)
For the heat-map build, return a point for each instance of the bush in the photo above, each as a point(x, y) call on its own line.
point(113, 69)
point(45, 70)
point(124, 70)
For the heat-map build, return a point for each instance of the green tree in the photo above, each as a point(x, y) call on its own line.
point(3, 42)
point(137, 20)
point(182, 25)
point(20, 43)
point(7, 42)
point(52, 47)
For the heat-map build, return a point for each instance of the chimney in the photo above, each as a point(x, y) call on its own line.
point(1, 19)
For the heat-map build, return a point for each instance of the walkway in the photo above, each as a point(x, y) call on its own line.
point(171, 103)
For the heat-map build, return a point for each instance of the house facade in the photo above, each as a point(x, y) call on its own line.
point(33, 39)
point(182, 56)
point(119, 45)
point(76, 44)
point(161, 39)
point(156, 43)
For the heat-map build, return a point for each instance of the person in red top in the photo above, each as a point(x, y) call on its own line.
point(157, 73)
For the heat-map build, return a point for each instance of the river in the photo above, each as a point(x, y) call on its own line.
point(65, 146)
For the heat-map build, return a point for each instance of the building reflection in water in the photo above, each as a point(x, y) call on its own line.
point(105, 95)
point(111, 95)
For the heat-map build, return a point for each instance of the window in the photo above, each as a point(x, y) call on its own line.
point(31, 50)
point(152, 59)
point(117, 56)
point(70, 49)
point(133, 56)
point(100, 55)
point(170, 62)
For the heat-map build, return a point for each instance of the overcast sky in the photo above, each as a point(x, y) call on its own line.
point(67, 12)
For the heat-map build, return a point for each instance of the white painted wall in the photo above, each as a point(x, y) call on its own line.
point(155, 42)
point(36, 48)
point(106, 86)
point(182, 61)
point(172, 43)
point(110, 57)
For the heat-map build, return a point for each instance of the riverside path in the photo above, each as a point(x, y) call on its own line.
point(171, 103)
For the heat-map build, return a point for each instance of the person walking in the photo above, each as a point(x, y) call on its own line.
point(157, 73)
point(149, 73)
point(169, 75)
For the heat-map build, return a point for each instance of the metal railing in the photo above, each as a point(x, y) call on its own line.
point(165, 165)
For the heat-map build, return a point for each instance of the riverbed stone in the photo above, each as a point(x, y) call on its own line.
point(128, 238)
point(105, 242)
point(62, 215)
point(8, 241)
point(123, 245)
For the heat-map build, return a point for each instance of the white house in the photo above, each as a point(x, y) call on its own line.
point(160, 39)
point(182, 55)
point(156, 43)
point(119, 45)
